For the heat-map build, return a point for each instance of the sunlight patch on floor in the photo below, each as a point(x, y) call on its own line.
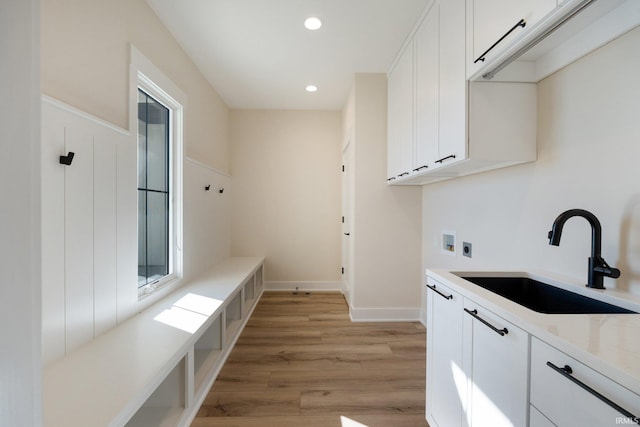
point(348, 422)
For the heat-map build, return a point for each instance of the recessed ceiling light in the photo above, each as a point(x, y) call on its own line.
point(311, 88)
point(312, 23)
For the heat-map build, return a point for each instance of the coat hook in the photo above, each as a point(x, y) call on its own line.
point(207, 187)
point(66, 160)
point(221, 190)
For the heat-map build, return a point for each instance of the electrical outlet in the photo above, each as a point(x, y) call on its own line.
point(466, 249)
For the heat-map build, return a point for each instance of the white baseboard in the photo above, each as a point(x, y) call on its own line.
point(304, 286)
point(423, 317)
point(385, 314)
point(356, 314)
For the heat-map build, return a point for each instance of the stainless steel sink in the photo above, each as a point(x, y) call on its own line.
point(544, 298)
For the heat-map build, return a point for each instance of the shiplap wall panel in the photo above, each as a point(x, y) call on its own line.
point(53, 304)
point(85, 214)
point(127, 233)
point(91, 291)
point(207, 215)
point(104, 231)
point(78, 242)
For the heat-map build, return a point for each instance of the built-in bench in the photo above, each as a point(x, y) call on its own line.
point(155, 368)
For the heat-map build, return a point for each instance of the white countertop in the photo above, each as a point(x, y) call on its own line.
point(608, 343)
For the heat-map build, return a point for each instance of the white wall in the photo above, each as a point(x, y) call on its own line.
point(207, 217)
point(286, 194)
point(97, 38)
point(89, 234)
point(20, 365)
point(85, 63)
point(386, 228)
point(588, 157)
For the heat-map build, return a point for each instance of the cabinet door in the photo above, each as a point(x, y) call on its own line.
point(550, 388)
point(493, 18)
point(452, 83)
point(536, 419)
point(426, 42)
point(392, 124)
point(405, 111)
point(496, 367)
point(400, 90)
point(445, 379)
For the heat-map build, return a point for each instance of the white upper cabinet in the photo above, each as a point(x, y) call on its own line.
point(442, 138)
point(426, 44)
point(400, 116)
point(527, 40)
point(440, 87)
point(452, 141)
point(496, 23)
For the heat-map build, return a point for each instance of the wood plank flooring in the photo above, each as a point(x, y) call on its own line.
point(300, 361)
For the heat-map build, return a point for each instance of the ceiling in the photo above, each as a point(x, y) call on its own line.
point(257, 54)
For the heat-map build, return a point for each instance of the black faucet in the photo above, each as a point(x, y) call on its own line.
point(598, 267)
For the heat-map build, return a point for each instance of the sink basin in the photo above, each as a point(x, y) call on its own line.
point(544, 298)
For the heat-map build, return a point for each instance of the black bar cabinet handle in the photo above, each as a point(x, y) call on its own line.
point(420, 168)
point(566, 372)
point(452, 156)
point(391, 179)
point(433, 288)
point(521, 23)
point(502, 332)
point(347, 234)
point(403, 174)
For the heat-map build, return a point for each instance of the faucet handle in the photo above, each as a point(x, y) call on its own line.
point(608, 271)
point(604, 269)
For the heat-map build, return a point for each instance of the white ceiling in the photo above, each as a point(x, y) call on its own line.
point(257, 53)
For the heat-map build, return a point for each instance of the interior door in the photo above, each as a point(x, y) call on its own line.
point(346, 220)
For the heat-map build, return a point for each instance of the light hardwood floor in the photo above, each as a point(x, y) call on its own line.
point(300, 361)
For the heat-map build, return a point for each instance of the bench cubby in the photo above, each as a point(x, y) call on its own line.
point(155, 368)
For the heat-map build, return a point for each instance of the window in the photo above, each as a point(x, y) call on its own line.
point(156, 109)
point(154, 195)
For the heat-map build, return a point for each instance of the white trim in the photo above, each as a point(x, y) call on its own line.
point(205, 166)
point(70, 109)
point(423, 317)
point(144, 74)
point(346, 292)
point(303, 286)
point(139, 62)
point(386, 314)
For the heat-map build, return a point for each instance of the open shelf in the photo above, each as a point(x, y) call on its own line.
point(232, 316)
point(258, 281)
point(249, 293)
point(166, 405)
point(207, 350)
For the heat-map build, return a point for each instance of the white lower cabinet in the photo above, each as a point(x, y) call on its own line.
point(477, 364)
point(537, 419)
point(482, 370)
point(496, 368)
point(569, 393)
point(445, 379)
